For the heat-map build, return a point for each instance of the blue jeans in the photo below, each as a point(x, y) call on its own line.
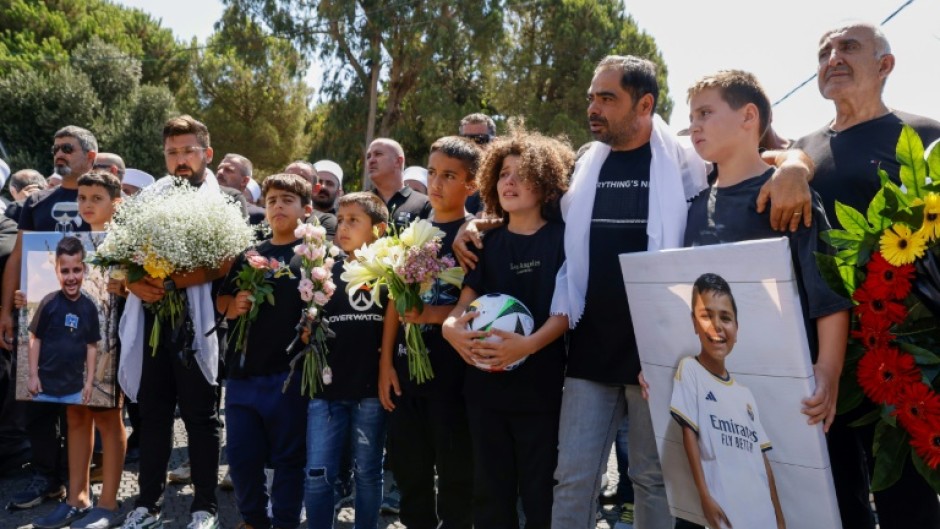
point(621, 448)
point(266, 427)
point(330, 424)
point(591, 414)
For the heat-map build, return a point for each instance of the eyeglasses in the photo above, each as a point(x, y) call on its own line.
point(479, 139)
point(66, 148)
point(185, 151)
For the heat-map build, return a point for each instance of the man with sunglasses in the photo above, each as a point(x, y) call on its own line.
point(480, 129)
point(73, 153)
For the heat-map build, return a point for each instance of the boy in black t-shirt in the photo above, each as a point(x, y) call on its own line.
point(64, 334)
point(729, 113)
point(348, 409)
point(514, 414)
point(428, 426)
point(266, 426)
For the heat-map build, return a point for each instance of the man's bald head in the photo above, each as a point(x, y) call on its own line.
point(25, 182)
point(110, 162)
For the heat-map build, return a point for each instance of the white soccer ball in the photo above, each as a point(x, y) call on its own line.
point(503, 312)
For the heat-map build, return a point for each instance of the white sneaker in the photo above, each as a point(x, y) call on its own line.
point(141, 518)
point(203, 520)
point(181, 474)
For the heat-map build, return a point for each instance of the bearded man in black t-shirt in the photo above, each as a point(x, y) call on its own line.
point(73, 152)
point(854, 63)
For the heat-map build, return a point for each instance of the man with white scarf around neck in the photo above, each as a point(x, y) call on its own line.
point(165, 379)
point(629, 193)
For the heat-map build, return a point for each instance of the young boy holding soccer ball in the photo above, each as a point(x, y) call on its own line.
point(514, 414)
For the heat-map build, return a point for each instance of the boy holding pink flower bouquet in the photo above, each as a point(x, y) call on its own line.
point(265, 425)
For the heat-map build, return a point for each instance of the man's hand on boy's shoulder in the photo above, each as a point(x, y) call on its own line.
point(788, 191)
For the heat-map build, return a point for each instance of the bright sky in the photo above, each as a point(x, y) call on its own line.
point(777, 41)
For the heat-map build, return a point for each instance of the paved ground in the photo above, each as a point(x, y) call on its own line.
point(178, 498)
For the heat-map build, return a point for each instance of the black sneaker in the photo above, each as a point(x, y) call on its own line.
point(39, 490)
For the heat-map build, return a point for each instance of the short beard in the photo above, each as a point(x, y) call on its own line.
point(63, 170)
point(324, 205)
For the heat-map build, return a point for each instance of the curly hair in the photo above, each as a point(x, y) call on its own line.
point(544, 163)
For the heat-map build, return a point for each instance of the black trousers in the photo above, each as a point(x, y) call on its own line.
point(514, 455)
point(13, 439)
point(165, 382)
point(909, 503)
point(424, 434)
point(48, 436)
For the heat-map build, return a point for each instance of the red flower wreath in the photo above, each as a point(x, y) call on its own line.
point(886, 374)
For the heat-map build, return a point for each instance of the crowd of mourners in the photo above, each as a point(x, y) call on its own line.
point(510, 431)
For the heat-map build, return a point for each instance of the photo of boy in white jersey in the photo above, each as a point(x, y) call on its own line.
point(721, 428)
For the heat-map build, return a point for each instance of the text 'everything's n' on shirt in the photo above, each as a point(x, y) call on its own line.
point(603, 344)
point(522, 266)
point(723, 414)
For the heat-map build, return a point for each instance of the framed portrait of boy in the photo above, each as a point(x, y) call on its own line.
point(766, 353)
point(67, 330)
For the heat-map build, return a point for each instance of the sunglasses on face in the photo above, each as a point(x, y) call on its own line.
point(479, 139)
point(66, 148)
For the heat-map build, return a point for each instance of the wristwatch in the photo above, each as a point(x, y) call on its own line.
point(169, 285)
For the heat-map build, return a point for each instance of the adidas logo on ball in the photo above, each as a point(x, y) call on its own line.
point(503, 312)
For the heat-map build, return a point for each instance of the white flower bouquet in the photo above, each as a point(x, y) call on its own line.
point(174, 229)
point(408, 263)
point(316, 288)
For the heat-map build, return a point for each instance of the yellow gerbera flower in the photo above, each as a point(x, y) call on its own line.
point(931, 227)
point(901, 246)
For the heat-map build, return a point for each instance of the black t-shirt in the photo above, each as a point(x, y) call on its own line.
point(603, 345)
point(847, 162)
point(407, 205)
point(522, 266)
point(729, 214)
point(273, 330)
point(447, 365)
point(65, 328)
point(357, 320)
point(52, 210)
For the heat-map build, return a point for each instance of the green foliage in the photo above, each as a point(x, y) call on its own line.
point(41, 34)
point(35, 105)
point(249, 94)
point(891, 445)
point(426, 64)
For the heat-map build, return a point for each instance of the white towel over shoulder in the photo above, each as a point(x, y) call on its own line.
point(677, 175)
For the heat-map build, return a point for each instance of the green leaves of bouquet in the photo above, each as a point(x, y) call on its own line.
point(886, 262)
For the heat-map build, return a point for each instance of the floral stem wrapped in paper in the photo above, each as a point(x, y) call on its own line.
point(888, 264)
point(175, 229)
point(407, 263)
point(316, 288)
point(257, 278)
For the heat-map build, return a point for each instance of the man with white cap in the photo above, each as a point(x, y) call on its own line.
point(134, 180)
point(325, 217)
point(416, 177)
point(330, 178)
